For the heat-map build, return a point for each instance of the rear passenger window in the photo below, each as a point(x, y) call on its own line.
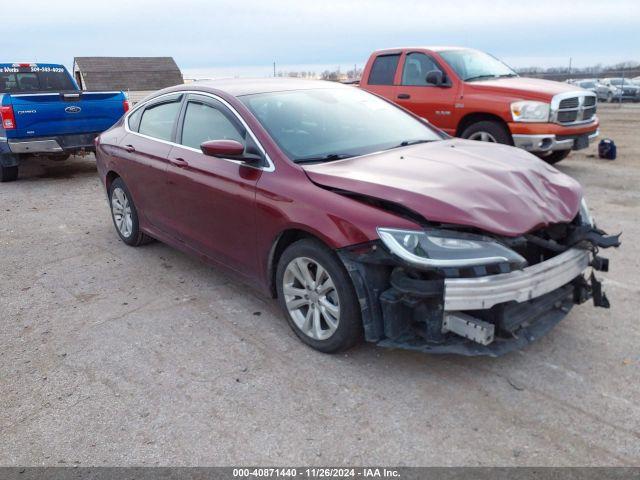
point(158, 120)
point(204, 122)
point(384, 69)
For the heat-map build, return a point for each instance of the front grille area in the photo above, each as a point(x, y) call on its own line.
point(570, 103)
point(580, 108)
point(588, 113)
point(567, 116)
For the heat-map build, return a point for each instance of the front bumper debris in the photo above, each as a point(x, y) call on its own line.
point(483, 315)
point(484, 292)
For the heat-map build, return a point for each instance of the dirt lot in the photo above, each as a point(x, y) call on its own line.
point(113, 355)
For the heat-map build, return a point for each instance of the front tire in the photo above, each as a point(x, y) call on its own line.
point(125, 215)
point(317, 296)
point(8, 174)
point(488, 131)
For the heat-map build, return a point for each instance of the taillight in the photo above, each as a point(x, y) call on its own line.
point(126, 106)
point(8, 118)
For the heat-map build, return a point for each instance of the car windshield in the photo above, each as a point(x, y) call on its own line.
point(473, 65)
point(587, 84)
point(335, 123)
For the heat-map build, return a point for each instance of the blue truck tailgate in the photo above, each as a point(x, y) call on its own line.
point(52, 114)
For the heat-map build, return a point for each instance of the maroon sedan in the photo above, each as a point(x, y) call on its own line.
point(361, 218)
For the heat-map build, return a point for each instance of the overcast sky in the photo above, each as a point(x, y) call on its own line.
point(244, 37)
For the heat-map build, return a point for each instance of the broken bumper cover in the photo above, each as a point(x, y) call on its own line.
point(486, 315)
point(519, 286)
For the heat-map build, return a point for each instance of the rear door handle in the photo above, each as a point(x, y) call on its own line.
point(130, 148)
point(179, 162)
point(404, 96)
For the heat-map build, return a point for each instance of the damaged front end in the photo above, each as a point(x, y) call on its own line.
point(453, 290)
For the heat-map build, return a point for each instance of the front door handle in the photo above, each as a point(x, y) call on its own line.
point(130, 148)
point(404, 96)
point(179, 162)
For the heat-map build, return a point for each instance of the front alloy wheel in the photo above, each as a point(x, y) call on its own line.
point(311, 298)
point(317, 296)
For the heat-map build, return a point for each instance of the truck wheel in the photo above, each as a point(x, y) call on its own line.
point(9, 174)
point(60, 157)
point(488, 131)
point(610, 97)
point(555, 157)
point(125, 215)
point(317, 296)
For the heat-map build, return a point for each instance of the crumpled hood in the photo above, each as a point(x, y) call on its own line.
point(496, 188)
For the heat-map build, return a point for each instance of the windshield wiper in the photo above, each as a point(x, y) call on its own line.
point(406, 143)
point(325, 158)
point(479, 77)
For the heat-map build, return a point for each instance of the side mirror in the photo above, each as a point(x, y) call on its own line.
point(435, 77)
point(222, 148)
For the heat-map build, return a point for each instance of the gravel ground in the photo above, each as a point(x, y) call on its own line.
point(111, 355)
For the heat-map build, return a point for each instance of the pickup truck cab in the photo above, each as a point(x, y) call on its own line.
point(43, 112)
point(470, 94)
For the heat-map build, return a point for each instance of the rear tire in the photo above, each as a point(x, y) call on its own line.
point(555, 157)
point(488, 131)
point(317, 296)
point(8, 174)
point(125, 215)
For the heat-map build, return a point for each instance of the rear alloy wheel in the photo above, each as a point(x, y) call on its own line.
point(488, 131)
point(317, 296)
point(555, 157)
point(8, 174)
point(125, 215)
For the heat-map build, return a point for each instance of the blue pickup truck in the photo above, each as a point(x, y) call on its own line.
point(43, 112)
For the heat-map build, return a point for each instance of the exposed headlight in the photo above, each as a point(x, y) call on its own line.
point(530, 111)
point(585, 215)
point(439, 249)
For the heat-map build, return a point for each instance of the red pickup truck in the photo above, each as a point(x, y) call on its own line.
point(470, 94)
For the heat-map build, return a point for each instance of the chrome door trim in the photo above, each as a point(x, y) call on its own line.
point(269, 168)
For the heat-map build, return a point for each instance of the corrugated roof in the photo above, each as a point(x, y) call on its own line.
point(128, 73)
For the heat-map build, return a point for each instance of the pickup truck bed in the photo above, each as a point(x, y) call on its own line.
point(44, 113)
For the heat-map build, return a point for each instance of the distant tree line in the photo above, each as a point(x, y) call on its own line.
point(331, 75)
point(622, 69)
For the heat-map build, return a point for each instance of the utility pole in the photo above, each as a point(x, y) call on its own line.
point(274, 69)
point(570, 59)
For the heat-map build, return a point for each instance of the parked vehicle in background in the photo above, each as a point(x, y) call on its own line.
point(618, 89)
point(473, 95)
point(590, 84)
point(44, 113)
point(360, 217)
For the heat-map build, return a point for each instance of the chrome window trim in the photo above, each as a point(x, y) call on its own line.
point(270, 165)
point(581, 95)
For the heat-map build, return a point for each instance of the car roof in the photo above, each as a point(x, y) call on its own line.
point(433, 48)
point(238, 87)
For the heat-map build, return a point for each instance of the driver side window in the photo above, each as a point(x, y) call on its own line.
point(204, 122)
point(416, 67)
